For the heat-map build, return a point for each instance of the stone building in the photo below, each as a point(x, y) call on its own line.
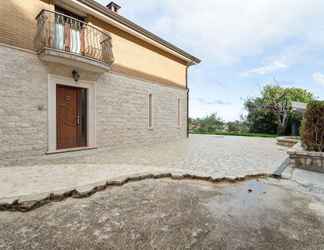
point(75, 74)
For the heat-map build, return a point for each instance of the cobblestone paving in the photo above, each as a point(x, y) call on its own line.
point(215, 156)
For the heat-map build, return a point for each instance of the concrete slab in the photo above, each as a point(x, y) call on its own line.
point(313, 181)
point(172, 214)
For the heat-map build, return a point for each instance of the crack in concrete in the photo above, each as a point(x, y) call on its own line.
point(27, 206)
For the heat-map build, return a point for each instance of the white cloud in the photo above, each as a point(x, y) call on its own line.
point(318, 78)
point(266, 69)
point(225, 31)
point(213, 102)
point(228, 112)
point(270, 35)
point(285, 58)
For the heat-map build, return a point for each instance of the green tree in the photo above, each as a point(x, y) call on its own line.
point(208, 124)
point(274, 109)
point(233, 126)
point(237, 126)
point(259, 120)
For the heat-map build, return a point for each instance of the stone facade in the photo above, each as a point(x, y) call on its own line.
point(300, 158)
point(23, 95)
point(121, 108)
point(122, 111)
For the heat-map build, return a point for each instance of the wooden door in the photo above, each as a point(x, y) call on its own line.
point(71, 117)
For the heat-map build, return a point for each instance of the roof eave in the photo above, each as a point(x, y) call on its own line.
point(192, 60)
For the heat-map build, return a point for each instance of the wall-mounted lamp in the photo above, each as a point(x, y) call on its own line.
point(76, 75)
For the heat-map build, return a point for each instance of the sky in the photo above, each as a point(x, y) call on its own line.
point(243, 46)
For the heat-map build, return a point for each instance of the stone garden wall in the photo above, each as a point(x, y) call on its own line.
point(309, 160)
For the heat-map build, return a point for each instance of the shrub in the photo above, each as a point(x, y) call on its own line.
point(233, 126)
point(312, 130)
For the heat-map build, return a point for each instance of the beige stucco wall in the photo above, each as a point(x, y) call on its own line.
point(18, 27)
point(17, 21)
point(135, 56)
point(133, 53)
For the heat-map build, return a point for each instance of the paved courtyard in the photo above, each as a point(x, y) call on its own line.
point(203, 155)
point(171, 214)
point(167, 212)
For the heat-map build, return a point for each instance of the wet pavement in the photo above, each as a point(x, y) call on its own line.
point(175, 214)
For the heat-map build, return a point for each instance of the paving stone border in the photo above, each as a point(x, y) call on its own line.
point(83, 192)
point(308, 160)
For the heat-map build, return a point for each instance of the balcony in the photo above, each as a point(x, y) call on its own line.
point(69, 41)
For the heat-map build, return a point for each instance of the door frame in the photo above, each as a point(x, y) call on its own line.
point(54, 80)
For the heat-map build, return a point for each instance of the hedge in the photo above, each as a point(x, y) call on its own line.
point(312, 130)
point(246, 134)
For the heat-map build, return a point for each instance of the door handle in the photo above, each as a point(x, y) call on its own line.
point(78, 120)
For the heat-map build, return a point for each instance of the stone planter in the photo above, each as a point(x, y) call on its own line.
point(308, 160)
point(287, 141)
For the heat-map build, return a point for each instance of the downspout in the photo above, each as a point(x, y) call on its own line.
point(187, 67)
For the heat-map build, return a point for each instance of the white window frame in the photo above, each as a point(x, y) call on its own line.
point(53, 81)
point(179, 123)
point(150, 112)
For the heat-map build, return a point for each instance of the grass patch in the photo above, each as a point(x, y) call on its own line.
point(240, 134)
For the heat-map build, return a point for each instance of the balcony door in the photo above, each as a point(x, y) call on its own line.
point(68, 31)
point(71, 117)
